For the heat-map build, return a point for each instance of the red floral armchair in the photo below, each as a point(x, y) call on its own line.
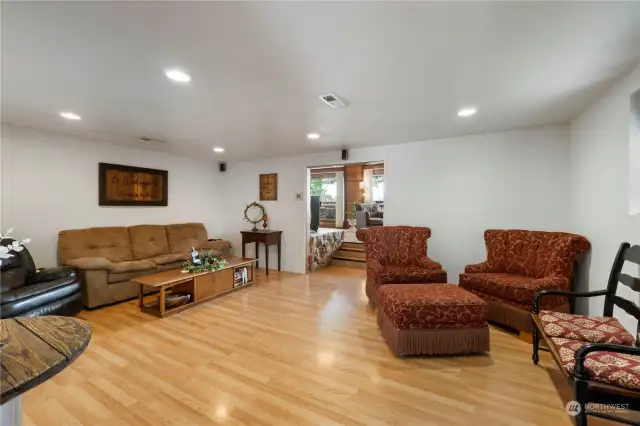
point(398, 254)
point(519, 264)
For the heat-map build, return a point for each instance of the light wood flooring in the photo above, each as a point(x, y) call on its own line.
point(291, 350)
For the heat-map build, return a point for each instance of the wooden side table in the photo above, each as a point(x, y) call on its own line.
point(33, 350)
point(268, 238)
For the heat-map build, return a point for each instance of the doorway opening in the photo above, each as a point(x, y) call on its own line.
point(343, 198)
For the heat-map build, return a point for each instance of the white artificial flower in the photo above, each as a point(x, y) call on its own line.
point(4, 252)
point(16, 246)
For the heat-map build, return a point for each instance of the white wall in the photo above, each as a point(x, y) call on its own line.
point(600, 185)
point(458, 187)
point(634, 154)
point(50, 183)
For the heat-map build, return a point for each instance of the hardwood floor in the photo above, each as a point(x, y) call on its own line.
point(291, 350)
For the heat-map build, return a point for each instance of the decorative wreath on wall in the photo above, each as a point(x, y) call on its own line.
point(254, 213)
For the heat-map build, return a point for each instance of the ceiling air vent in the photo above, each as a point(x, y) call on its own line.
point(332, 100)
point(149, 141)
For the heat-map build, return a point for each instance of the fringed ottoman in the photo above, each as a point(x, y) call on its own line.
point(432, 319)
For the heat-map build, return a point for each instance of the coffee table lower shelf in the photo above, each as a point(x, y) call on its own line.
point(201, 287)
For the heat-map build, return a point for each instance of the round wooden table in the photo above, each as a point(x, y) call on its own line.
point(33, 350)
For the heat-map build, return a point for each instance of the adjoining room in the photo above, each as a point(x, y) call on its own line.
point(343, 198)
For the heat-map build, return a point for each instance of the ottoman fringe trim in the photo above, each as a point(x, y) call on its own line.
point(445, 341)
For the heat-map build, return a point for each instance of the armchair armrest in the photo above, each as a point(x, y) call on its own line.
point(570, 294)
point(426, 263)
point(90, 263)
point(50, 274)
point(375, 265)
point(581, 354)
point(479, 268)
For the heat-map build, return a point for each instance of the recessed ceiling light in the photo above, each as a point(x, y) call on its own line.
point(467, 112)
point(70, 115)
point(218, 149)
point(313, 136)
point(177, 75)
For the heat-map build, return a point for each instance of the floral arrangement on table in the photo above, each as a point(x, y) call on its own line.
point(15, 246)
point(204, 261)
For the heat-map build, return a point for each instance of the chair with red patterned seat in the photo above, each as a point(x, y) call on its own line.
point(597, 354)
point(396, 255)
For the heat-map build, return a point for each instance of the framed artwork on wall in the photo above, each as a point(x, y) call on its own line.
point(269, 187)
point(120, 185)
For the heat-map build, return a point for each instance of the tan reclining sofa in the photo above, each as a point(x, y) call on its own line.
point(108, 258)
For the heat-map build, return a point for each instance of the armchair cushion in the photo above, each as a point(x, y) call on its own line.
point(131, 266)
point(518, 288)
point(89, 263)
point(585, 328)
point(608, 367)
point(426, 263)
point(50, 274)
point(411, 274)
point(480, 268)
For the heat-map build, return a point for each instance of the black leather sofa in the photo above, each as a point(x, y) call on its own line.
point(27, 291)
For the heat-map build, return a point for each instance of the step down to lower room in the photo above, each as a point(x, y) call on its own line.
point(350, 255)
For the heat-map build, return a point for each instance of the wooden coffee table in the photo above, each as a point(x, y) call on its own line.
point(202, 286)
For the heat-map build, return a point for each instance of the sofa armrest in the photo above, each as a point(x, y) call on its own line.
point(480, 268)
point(32, 290)
point(50, 274)
point(426, 263)
point(89, 263)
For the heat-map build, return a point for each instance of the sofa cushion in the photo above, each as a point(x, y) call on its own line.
point(585, 328)
point(608, 367)
point(148, 241)
point(429, 306)
point(111, 243)
point(131, 266)
point(127, 276)
point(518, 288)
point(166, 259)
point(183, 236)
point(89, 263)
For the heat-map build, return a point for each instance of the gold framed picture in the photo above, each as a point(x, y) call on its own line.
point(269, 187)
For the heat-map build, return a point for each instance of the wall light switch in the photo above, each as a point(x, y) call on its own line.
point(298, 196)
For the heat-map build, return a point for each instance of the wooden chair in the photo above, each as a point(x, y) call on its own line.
point(586, 389)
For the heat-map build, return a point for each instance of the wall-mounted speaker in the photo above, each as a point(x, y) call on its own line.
point(345, 154)
point(223, 167)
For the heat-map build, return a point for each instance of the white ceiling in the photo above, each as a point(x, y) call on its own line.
point(257, 69)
